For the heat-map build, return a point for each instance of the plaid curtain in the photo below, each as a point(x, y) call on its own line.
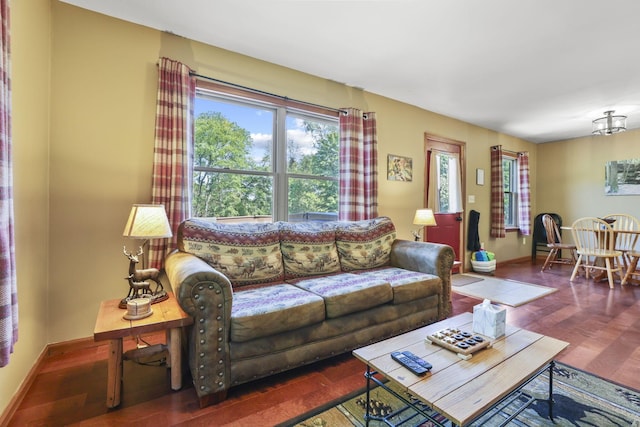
point(497, 194)
point(173, 151)
point(8, 282)
point(524, 192)
point(358, 166)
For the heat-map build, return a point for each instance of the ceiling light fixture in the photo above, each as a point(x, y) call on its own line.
point(609, 124)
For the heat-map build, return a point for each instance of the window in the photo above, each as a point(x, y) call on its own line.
point(258, 159)
point(448, 197)
point(510, 181)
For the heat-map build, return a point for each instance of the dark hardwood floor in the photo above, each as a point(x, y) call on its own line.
point(602, 325)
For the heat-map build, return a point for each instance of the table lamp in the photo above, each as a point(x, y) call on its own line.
point(145, 222)
point(424, 218)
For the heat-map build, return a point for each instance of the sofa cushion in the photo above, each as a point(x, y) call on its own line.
point(308, 249)
point(407, 285)
point(246, 253)
point(348, 293)
point(269, 310)
point(365, 244)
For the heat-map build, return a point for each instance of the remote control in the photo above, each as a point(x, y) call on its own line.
point(411, 362)
point(418, 360)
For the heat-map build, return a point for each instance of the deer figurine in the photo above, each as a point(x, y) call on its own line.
point(138, 278)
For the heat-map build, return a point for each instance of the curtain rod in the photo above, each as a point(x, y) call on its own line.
point(514, 153)
point(261, 92)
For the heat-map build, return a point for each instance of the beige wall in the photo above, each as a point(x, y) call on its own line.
point(102, 122)
point(84, 154)
point(30, 35)
point(571, 176)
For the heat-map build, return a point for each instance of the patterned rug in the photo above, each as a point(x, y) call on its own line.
point(580, 399)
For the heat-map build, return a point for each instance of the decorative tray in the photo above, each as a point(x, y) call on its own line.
point(461, 342)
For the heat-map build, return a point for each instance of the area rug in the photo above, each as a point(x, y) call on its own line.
point(503, 291)
point(580, 399)
point(464, 279)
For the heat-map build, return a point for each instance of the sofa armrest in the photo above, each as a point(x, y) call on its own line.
point(425, 257)
point(206, 294)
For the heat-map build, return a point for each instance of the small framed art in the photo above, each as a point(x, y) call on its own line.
point(479, 176)
point(399, 168)
point(622, 177)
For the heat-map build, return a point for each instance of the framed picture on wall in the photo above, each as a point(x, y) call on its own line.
point(479, 176)
point(399, 168)
point(622, 178)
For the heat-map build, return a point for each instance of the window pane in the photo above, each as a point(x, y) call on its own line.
point(247, 151)
point(443, 182)
point(312, 146)
point(229, 135)
point(310, 197)
point(510, 191)
point(506, 173)
point(508, 212)
point(229, 195)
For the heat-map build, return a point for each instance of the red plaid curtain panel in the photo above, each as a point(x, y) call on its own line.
point(358, 166)
point(497, 228)
point(173, 150)
point(524, 193)
point(8, 279)
point(497, 194)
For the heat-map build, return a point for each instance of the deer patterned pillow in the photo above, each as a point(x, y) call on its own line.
point(245, 253)
point(309, 249)
point(365, 244)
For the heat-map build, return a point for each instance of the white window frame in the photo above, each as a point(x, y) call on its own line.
point(511, 210)
point(281, 107)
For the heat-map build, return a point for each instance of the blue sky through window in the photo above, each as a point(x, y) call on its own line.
point(259, 122)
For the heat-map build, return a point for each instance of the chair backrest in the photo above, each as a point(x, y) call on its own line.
point(592, 234)
point(539, 237)
point(551, 229)
point(625, 241)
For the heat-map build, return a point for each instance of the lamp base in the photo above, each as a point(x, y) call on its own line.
point(156, 297)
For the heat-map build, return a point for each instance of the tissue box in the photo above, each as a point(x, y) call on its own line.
point(489, 319)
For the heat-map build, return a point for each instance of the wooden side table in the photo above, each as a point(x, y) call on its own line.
point(110, 325)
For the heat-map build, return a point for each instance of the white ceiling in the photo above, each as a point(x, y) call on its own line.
point(540, 70)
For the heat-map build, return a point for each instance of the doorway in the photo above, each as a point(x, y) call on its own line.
point(445, 191)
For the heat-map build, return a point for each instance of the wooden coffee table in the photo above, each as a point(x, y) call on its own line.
point(167, 315)
point(463, 390)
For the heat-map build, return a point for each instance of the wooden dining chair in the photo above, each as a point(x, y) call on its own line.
point(555, 245)
point(632, 270)
point(595, 242)
point(625, 242)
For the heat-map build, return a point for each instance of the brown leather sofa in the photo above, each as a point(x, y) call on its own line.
point(270, 297)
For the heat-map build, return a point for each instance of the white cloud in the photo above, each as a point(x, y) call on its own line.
point(261, 145)
point(303, 141)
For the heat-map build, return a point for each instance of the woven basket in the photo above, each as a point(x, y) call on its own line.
point(484, 266)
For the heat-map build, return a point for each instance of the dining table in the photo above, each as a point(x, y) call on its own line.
point(626, 261)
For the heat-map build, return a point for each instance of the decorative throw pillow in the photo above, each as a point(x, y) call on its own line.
point(245, 253)
point(308, 249)
point(365, 244)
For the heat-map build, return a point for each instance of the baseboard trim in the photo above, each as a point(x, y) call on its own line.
point(72, 345)
point(48, 351)
point(20, 394)
point(513, 261)
point(498, 263)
